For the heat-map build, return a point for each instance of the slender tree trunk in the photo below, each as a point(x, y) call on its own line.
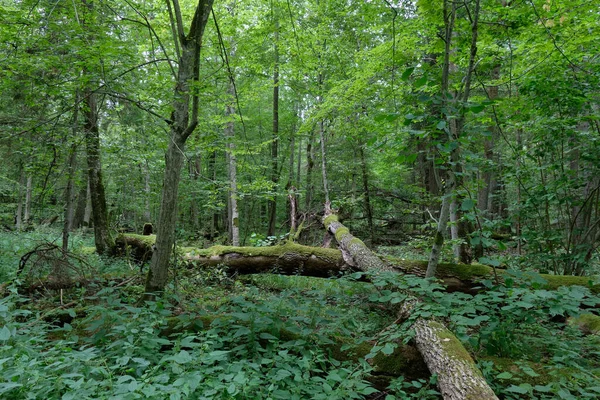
point(324, 162)
point(272, 204)
point(454, 228)
point(310, 165)
point(367, 194)
point(147, 213)
point(234, 229)
point(28, 193)
point(484, 197)
point(79, 214)
point(87, 215)
point(184, 120)
point(69, 197)
point(19, 216)
point(455, 124)
point(103, 240)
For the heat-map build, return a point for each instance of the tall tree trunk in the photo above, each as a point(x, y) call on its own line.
point(103, 239)
point(69, 196)
point(183, 122)
point(78, 216)
point(310, 165)
point(484, 196)
point(234, 229)
point(87, 214)
point(324, 162)
point(147, 213)
point(28, 194)
point(367, 194)
point(272, 204)
point(19, 216)
point(455, 124)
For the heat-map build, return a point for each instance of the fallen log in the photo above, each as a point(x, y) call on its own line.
point(459, 377)
point(288, 259)
point(295, 259)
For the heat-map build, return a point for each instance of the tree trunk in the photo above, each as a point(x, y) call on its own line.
point(28, 193)
point(234, 229)
point(19, 216)
point(272, 204)
point(102, 237)
point(147, 213)
point(183, 122)
point(366, 192)
point(69, 198)
point(310, 165)
point(438, 243)
point(458, 375)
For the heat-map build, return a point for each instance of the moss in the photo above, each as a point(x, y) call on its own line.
point(555, 281)
point(148, 239)
point(272, 251)
point(340, 233)
point(588, 323)
point(451, 344)
point(329, 219)
point(356, 240)
point(464, 271)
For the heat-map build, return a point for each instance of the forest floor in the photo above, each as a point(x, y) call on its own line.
point(214, 335)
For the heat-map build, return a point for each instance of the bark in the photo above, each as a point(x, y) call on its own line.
point(458, 375)
point(79, 214)
point(102, 236)
point(184, 120)
point(28, 192)
point(354, 251)
point(324, 162)
point(87, 214)
point(456, 277)
point(310, 165)
point(367, 193)
point(69, 195)
point(288, 259)
point(438, 242)
point(272, 204)
point(234, 228)
point(147, 214)
point(19, 216)
point(69, 198)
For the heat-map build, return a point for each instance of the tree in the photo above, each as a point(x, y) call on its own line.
point(184, 120)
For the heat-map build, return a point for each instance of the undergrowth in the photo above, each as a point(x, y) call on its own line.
point(217, 336)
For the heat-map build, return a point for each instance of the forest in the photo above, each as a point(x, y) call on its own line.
point(299, 199)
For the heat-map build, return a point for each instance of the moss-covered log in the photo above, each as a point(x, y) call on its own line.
point(354, 251)
point(289, 258)
point(458, 375)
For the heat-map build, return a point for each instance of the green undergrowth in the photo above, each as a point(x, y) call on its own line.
point(217, 336)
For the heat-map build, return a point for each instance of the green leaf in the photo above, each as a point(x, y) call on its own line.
point(388, 349)
point(421, 81)
point(4, 333)
point(441, 125)
point(467, 205)
point(522, 388)
point(407, 73)
point(504, 375)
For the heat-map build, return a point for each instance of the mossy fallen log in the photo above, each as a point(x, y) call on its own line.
point(295, 259)
point(459, 378)
point(289, 258)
